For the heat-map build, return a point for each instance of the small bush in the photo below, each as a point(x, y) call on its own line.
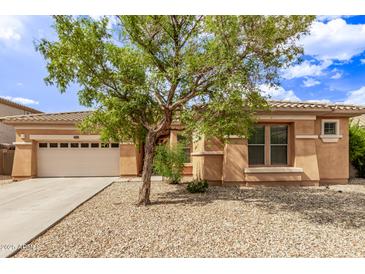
point(169, 162)
point(197, 186)
point(357, 148)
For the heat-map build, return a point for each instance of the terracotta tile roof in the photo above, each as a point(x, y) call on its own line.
point(275, 105)
point(60, 117)
point(78, 116)
point(19, 106)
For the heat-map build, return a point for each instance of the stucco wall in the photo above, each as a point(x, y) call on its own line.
point(321, 162)
point(129, 160)
point(305, 151)
point(24, 161)
point(25, 158)
point(7, 132)
point(333, 158)
point(235, 160)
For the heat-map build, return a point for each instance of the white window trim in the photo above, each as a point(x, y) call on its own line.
point(273, 170)
point(330, 138)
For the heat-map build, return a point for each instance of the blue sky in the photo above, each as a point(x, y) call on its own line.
point(333, 69)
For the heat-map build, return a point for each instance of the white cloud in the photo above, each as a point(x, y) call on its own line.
point(306, 68)
point(326, 18)
point(310, 82)
point(21, 100)
point(362, 61)
point(337, 75)
point(19, 84)
point(11, 29)
point(335, 40)
point(331, 40)
point(278, 93)
point(356, 97)
point(322, 101)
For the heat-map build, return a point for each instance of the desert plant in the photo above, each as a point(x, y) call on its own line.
point(197, 186)
point(357, 148)
point(169, 162)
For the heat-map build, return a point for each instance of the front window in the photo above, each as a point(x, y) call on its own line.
point(256, 146)
point(268, 145)
point(329, 128)
point(181, 139)
point(279, 144)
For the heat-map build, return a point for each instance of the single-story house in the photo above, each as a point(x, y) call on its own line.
point(293, 144)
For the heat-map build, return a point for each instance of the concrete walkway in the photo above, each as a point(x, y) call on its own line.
point(30, 207)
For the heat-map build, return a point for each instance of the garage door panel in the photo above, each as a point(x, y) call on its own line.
point(67, 162)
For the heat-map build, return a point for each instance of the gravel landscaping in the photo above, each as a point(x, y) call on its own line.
point(224, 222)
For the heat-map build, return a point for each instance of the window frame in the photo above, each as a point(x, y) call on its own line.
point(53, 145)
point(84, 145)
point(336, 121)
point(181, 139)
point(267, 145)
point(264, 145)
point(74, 143)
point(42, 145)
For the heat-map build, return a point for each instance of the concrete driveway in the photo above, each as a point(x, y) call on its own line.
point(30, 207)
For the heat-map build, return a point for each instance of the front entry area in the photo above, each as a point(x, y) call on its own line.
point(77, 159)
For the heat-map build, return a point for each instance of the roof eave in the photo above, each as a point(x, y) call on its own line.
point(25, 122)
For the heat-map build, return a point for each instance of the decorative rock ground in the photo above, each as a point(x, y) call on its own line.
point(224, 222)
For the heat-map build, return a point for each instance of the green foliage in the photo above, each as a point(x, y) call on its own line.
point(197, 186)
point(169, 162)
point(357, 148)
point(146, 70)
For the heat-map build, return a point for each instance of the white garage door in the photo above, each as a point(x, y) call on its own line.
point(78, 159)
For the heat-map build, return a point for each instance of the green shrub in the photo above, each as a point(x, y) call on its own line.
point(197, 186)
point(357, 148)
point(169, 162)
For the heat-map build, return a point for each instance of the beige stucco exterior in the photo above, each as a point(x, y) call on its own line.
point(312, 159)
point(7, 132)
point(25, 159)
point(320, 162)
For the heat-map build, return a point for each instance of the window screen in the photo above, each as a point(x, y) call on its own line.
point(256, 146)
point(279, 144)
point(330, 128)
point(186, 142)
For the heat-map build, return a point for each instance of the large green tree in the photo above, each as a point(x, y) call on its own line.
point(145, 71)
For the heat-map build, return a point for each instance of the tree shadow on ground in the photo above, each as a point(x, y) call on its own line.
point(317, 205)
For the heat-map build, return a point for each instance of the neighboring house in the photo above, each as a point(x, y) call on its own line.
point(360, 120)
point(7, 133)
point(9, 108)
point(294, 144)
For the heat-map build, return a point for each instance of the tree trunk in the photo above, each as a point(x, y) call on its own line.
point(149, 150)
